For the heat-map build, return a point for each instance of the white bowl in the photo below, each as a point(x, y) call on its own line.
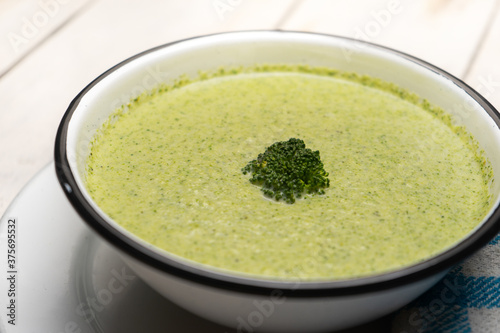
point(250, 304)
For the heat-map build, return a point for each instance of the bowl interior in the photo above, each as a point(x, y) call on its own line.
point(166, 63)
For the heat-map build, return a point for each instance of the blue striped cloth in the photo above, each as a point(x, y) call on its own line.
point(467, 299)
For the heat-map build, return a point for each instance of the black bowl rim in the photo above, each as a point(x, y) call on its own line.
point(239, 283)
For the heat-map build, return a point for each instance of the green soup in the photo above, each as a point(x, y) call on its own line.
point(405, 183)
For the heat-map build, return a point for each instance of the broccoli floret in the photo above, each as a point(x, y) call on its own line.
point(287, 170)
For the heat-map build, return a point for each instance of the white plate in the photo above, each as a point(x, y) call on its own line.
point(65, 280)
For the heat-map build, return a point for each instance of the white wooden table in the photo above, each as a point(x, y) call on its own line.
point(50, 49)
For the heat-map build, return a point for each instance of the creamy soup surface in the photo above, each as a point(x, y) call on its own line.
point(405, 183)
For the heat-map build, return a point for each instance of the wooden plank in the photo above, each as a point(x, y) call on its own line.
point(443, 32)
point(36, 93)
point(26, 24)
point(484, 74)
